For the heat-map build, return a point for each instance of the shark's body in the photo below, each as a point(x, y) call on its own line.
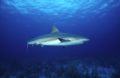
point(56, 38)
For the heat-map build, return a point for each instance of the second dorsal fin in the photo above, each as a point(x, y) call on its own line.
point(54, 29)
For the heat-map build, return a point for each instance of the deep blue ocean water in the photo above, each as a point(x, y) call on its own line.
point(20, 21)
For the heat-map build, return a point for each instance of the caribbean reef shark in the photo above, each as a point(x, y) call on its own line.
point(57, 38)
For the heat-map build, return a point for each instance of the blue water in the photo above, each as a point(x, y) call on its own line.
point(98, 20)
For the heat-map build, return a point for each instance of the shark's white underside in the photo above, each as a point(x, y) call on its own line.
point(57, 42)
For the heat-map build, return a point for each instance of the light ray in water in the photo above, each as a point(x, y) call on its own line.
point(60, 7)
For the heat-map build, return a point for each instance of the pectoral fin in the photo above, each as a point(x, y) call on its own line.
point(63, 40)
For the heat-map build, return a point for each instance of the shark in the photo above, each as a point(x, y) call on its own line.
point(57, 38)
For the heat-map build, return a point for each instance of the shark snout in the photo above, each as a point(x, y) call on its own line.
point(86, 40)
point(83, 40)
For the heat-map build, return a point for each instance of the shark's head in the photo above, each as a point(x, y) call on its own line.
point(57, 38)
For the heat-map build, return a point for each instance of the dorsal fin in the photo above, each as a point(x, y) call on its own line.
point(54, 29)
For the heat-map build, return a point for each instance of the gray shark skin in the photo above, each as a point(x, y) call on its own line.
point(56, 38)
